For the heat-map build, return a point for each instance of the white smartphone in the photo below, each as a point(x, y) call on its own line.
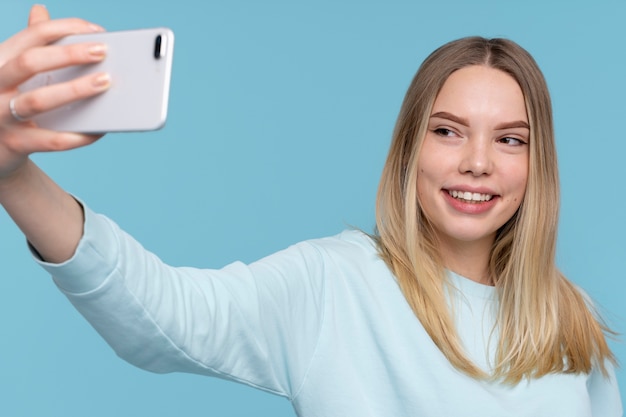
point(140, 65)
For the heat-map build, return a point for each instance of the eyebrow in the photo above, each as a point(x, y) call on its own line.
point(465, 122)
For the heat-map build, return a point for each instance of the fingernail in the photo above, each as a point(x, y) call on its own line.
point(96, 28)
point(72, 137)
point(97, 51)
point(101, 81)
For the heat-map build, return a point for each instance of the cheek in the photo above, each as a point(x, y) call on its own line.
point(424, 183)
point(427, 170)
point(519, 182)
point(523, 179)
point(420, 181)
point(426, 192)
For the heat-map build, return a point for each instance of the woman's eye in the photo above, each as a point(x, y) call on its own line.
point(442, 131)
point(512, 141)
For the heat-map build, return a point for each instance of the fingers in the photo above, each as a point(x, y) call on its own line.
point(28, 140)
point(17, 144)
point(38, 13)
point(33, 55)
point(43, 32)
point(29, 104)
point(46, 58)
point(26, 54)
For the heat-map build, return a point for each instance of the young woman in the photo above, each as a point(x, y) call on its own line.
point(454, 307)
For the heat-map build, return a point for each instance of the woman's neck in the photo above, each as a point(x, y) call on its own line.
point(468, 259)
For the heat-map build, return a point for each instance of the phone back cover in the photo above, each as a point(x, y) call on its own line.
point(138, 97)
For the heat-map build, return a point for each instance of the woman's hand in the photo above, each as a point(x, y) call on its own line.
point(49, 217)
point(25, 54)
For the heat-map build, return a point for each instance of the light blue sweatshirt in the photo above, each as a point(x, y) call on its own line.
point(322, 323)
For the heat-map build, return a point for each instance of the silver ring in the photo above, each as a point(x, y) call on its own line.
point(14, 113)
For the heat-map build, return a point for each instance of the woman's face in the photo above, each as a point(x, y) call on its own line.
point(473, 165)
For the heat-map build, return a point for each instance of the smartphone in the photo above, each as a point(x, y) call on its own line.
point(140, 64)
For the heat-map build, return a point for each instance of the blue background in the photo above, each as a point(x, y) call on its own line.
point(280, 119)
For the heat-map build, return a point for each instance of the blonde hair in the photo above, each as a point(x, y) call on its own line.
point(544, 324)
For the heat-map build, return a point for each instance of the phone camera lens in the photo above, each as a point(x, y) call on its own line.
point(157, 47)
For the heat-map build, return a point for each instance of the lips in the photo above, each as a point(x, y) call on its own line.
point(472, 202)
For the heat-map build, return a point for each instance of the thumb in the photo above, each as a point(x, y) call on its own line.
point(38, 13)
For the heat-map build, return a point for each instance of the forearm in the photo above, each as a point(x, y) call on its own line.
point(51, 219)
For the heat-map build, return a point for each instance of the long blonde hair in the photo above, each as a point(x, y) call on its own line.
point(544, 323)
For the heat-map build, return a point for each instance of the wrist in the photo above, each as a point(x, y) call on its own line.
point(12, 181)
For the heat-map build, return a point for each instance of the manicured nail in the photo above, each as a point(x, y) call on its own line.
point(97, 51)
point(96, 28)
point(72, 137)
point(102, 81)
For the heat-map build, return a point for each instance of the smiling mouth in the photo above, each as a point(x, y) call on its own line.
point(468, 197)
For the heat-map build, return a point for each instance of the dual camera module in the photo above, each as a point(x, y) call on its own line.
point(160, 45)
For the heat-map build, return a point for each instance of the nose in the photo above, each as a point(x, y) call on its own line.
point(477, 159)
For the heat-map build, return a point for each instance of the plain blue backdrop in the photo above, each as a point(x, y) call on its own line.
point(280, 119)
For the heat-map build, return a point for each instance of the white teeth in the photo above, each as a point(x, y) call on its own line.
point(466, 195)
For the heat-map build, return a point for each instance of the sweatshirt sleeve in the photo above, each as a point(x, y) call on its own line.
point(257, 324)
point(604, 393)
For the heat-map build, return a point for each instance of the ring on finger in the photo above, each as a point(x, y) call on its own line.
point(14, 112)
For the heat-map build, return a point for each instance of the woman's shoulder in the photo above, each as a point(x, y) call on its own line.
point(348, 243)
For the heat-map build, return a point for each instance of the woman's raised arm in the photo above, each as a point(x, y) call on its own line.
point(50, 218)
